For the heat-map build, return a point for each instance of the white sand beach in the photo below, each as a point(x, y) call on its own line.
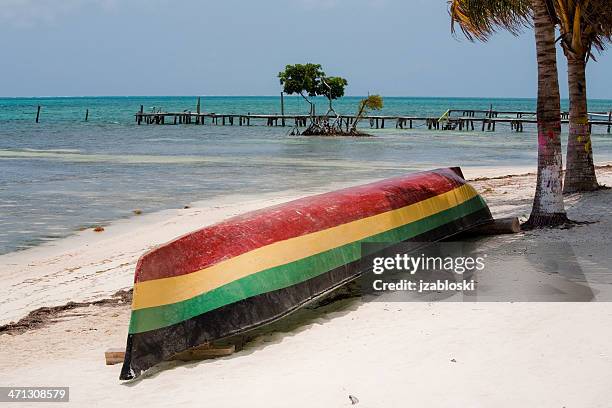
point(89, 265)
point(386, 354)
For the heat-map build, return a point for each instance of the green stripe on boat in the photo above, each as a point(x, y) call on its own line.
point(283, 276)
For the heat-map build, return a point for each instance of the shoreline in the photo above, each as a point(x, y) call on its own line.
point(492, 172)
point(421, 344)
point(96, 265)
point(88, 266)
point(67, 256)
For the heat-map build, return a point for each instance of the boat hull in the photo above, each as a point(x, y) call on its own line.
point(253, 269)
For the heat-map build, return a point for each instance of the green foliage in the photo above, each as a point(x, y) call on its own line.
point(373, 102)
point(479, 19)
point(301, 78)
point(332, 87)
point(310, 79)
point(583, 23)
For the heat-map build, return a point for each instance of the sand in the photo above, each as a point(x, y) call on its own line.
point(93, 265)
point(383, 353)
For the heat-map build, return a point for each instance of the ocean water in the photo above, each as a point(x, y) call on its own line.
point(64, 174)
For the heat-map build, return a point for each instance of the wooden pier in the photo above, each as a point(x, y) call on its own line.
point(453, 119)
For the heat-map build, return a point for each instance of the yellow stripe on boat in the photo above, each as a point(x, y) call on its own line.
point(179, 288)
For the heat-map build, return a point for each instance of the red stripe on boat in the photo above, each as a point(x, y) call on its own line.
point(244, 233)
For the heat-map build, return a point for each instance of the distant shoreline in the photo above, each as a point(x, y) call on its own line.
point(493, 98)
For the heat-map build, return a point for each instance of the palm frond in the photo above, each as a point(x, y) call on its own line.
point(479, 19)
point(584, 25)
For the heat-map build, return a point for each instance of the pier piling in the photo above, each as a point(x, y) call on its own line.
point(282, 101)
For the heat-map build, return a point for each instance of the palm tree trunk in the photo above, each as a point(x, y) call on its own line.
point(548, 209)
point(580, 171)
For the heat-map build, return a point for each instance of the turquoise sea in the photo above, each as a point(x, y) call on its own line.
point(64, 174)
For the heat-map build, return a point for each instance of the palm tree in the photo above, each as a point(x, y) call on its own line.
point(548, 209)
point(584, 25)
point(481, 18)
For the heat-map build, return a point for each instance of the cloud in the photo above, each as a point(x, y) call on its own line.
point(31, 13)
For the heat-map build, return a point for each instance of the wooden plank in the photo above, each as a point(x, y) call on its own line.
point(205, 351)
point(114, 356)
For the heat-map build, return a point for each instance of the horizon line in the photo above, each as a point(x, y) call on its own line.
point(272, 96)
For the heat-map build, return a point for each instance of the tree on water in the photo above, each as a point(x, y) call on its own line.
point(480, 19)
point(332, 88)
point(309, 80)
point(372, 102)
point(302, 79)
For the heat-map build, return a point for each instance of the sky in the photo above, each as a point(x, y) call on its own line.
point(237, 47)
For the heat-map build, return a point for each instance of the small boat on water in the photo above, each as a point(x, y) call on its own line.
point(255, 268)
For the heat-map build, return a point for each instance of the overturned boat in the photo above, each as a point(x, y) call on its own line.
point(258, 267)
